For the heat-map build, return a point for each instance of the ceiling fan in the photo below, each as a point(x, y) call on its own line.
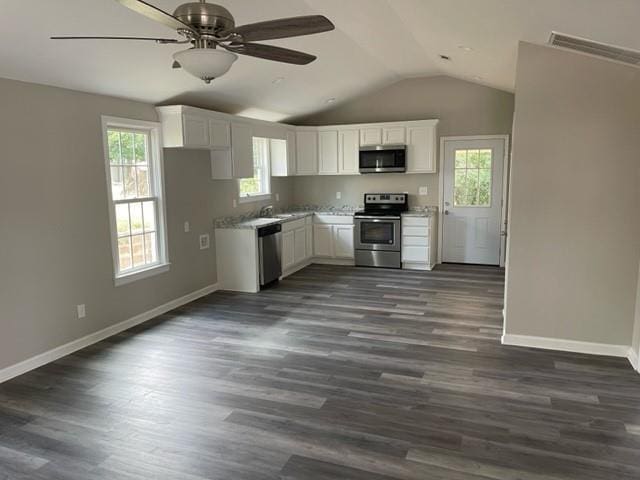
point(207, 26)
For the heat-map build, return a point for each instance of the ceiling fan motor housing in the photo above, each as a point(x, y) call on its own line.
point(206, 18)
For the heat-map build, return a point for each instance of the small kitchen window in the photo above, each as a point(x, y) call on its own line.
point(136, 198)
point(472, 181)
point(257, 187)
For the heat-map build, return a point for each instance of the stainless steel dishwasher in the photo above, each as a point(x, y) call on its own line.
point(269, 249)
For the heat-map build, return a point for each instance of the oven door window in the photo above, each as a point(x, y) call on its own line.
point(377, 233)
point(379, 159)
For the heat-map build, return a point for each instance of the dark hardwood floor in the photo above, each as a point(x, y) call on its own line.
point(335, 373)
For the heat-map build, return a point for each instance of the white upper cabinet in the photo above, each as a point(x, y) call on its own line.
point(307, 152)
point(195, 131)
point(328, 152)
point(348, 151)
point(242, 150)
point(278, 154)
point(291, 152)
point(394, 135)
point(421, 147)
point(370, 136)
point(219, 134)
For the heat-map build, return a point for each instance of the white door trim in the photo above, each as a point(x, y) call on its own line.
point(505, 188)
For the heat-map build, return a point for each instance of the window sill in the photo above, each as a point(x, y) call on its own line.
point(140, 274)
point(254, 198)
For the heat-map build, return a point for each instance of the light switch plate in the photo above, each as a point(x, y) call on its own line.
point(338, 195)
point(82, 312)
point(187, 227)
point(277, 197)
point(423, 191)
point(234, 203)
point(204, 241)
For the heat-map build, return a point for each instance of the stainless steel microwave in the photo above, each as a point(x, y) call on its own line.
point(383, 158)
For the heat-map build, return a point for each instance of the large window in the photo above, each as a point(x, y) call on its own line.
point(134, 175)
point(257, 187)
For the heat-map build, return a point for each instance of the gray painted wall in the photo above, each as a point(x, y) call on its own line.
point(55, 247)
point(463, 108)
point(574, 230)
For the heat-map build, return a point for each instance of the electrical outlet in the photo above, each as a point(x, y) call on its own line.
point(204, 241)
point(423, 191)
point(187, 227)
point(82, 312)
point(338, 195)
point(277, 197)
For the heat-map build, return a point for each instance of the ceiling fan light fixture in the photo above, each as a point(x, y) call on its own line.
point(205, 63)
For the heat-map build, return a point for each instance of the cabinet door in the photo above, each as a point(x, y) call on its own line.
point(291, 152)
point(288, 250)
point(348, 152)
point(278, 157)
point(393, 136)
point(242, 150)
point(219, 134)
point(309, 241)
point(328, 152)
point(370, 136)
point(300, 245)
point(195, 131)
point(307, 152)
point(421, 149)
point(343, 241)
point(322, 240)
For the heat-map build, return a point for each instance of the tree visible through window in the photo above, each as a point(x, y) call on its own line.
point(259, 184)
point(472, 180)
point(135, 194)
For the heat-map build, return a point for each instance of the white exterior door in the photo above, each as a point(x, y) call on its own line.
point(473, 183)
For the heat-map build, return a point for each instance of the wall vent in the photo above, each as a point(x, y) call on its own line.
point(611, 52)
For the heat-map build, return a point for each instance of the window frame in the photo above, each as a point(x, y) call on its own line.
point(466, 168)
point(267, 168)
point(156, 183)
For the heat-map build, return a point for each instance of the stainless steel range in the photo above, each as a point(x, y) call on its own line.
point(378, 230)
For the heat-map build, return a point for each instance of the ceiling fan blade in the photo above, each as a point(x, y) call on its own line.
point(154, 13)
point(284, 28)
point(269, 52)
point(158, 40)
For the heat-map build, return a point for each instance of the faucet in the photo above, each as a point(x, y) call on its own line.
point(266, 211)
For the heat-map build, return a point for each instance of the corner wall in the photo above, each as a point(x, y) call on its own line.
point(574, 228)
point(55, 249)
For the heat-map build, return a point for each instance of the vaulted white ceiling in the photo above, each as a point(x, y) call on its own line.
point(376, 42)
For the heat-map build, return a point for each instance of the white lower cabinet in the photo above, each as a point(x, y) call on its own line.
point(333, 237)
point(288, 250)
point(418, 242)
point(343, 241)
point(297, 244)
point(323, 240)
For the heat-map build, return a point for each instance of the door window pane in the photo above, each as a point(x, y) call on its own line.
point(472, 178)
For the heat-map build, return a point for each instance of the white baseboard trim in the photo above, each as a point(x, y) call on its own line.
point(566, 345)
point(633, 359)
point(68, 348)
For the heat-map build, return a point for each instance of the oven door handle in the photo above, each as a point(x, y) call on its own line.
point(376, 219)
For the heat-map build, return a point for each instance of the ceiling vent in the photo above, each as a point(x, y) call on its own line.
point(611, 52)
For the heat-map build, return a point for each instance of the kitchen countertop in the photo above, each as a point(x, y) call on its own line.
point(253, 222)
point(421, 212)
